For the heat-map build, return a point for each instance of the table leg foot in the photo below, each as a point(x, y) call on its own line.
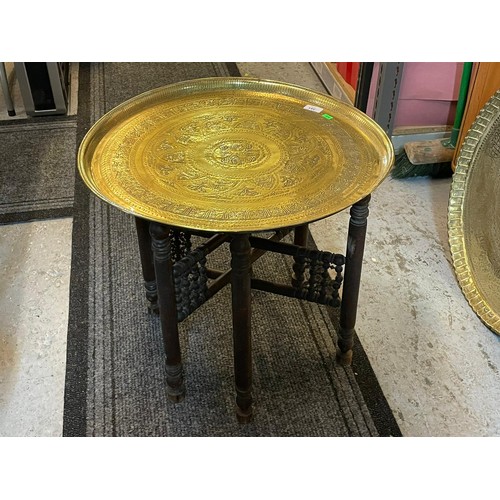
point(344, 358)
point(244, 416)
point(175, 398)
point(345, 343)
point(175, 383)
point(244, 408)
point(153, 308)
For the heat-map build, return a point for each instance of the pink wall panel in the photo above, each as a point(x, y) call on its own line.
point(424, 112)
point(431, 81)
point(427, 95)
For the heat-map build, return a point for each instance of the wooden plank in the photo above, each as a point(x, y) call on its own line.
point(428, 152)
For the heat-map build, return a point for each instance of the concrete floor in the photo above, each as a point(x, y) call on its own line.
point(437, 364)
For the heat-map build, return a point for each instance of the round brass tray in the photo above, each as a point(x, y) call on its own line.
point(234, 155)
point(474, 215)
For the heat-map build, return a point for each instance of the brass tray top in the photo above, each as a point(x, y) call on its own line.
point(474, 215)
point(234, 155)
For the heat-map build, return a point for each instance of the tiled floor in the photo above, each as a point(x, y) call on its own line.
point(438, 365)
point(35, 260)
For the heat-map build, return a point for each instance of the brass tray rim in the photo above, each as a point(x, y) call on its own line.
point(456, 237)
point(136, 100)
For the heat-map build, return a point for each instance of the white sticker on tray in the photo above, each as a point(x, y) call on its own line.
point(316, 109)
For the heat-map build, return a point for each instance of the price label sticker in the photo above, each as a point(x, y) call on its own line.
point(327, 116)
point(316, 109)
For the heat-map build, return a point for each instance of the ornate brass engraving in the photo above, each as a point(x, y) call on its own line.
point(233, 155)
point(239, 153)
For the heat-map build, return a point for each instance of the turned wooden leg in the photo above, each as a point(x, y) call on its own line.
point(241, 305)
point(168, 311)
point(352, 277)
point(147, 264)
point(299, 238)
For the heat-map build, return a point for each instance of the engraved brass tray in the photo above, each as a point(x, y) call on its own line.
point(474, 215)
point(234, 155)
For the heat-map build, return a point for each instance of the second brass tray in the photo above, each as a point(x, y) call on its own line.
point(234, 155)
point(474, 215)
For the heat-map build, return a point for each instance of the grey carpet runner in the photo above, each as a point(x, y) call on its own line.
point(115, 382)
point(37, 169)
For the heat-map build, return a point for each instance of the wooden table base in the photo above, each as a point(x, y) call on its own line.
point(156, 251)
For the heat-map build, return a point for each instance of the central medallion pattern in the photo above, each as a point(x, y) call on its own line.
point(238, 153)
